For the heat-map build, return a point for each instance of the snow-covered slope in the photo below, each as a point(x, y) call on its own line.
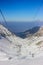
point(14, 46)
point(39, 32)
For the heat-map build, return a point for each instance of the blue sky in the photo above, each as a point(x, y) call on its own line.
point(22, 10)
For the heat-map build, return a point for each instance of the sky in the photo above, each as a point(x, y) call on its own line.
point(22, 10)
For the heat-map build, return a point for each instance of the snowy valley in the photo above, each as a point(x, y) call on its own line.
point(12, 46)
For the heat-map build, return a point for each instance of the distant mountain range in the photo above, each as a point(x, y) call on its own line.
point(36, 31)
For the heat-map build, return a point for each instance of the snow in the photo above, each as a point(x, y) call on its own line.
point(21, 49)
point(3, 56)
point(37, 61)
point(17, 51)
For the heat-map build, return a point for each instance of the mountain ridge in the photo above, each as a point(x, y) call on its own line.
point(33, 31)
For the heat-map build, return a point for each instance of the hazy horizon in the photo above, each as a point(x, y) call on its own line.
point(21, 26)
